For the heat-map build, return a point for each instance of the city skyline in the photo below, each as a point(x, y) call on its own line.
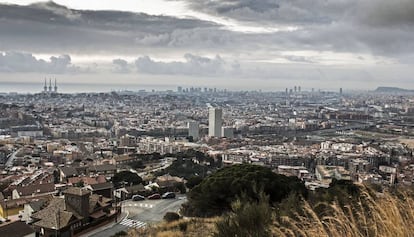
point(261, 45)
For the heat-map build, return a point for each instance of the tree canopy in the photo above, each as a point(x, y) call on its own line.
point(127, 177)
point(214, 195)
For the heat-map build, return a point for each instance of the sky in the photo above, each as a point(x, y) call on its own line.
point(237, 44)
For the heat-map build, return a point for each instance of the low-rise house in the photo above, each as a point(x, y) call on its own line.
point(17, 229)
point(30, 208)
point(326, 173)
point(77, 211)
point(33, 190)
point(103, 189)
point(108, 170)
point(12, 207)
point(67, 172)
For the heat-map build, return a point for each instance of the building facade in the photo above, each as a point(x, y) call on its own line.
point(214, 122)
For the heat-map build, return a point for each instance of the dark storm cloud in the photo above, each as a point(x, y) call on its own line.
point(50, 27)
point(380, 27)
point(276, 11)
point(376, 27)
point(25, 62)
point(193, 65)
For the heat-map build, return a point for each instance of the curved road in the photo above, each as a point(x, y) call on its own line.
point(141, 213)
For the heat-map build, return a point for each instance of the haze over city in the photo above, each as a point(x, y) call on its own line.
point(241, 45)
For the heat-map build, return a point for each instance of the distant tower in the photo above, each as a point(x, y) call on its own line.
point(214, 122)
point(50, 85)
point(299, 89)
point(287, 91)
point(45, 87)
point(296, 89)
point(56, 88)
point(340, 91)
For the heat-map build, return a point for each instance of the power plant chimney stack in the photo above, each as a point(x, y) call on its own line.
point(45, 87)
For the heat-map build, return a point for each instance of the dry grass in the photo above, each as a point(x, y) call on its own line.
point(182, 228)
point(386, 216)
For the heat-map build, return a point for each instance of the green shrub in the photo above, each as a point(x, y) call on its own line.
point(171, 216)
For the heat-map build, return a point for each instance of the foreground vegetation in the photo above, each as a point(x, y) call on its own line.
point(280, 207)
point(384, 215)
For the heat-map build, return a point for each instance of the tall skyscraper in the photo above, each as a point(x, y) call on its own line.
point(340, 91)
point(193, 130)
point(214, 122)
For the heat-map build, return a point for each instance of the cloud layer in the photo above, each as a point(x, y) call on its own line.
point(305, 34)
point(193, 65)
point(11, 62)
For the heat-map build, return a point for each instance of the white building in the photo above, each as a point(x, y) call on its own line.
point(193, 130)
point(214, 122)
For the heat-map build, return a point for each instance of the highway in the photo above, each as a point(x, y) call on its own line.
point(140, 214)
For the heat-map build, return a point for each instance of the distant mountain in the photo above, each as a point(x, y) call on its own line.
point(385, 89)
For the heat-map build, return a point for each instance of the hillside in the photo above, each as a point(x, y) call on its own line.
point(252, 201)
point(383, 215)
point(385, 89)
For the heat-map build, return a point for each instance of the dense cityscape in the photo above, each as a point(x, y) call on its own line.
point(73, 147)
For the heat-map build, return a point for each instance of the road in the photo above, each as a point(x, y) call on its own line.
point(165, 163)
point(140, 214)
point(12, 157)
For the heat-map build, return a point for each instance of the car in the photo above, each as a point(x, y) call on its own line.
point(154, 196)
point(138, 198)
point(168, 195)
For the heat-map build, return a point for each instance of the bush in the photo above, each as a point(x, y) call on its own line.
point(247, 219)
point(193, 181)
point(127, 177)
point(183, 226)
point(171, 216)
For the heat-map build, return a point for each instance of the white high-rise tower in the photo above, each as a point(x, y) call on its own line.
point(215, 122)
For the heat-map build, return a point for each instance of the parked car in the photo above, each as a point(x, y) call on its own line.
point(154, 196)
point(138, 198)
point(168, 195)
